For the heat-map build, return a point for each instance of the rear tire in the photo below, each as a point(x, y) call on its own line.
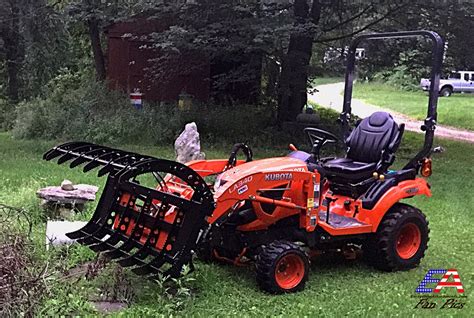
point(282, 267)
point(401, 239)
point(446, 92)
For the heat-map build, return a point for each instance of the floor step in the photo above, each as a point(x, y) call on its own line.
point(340, 221)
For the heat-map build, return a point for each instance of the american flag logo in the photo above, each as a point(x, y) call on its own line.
point(450, 279)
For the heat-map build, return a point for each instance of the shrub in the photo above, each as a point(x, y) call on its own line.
point(399, 77)
point(406, 73)
point(81, 108)
point(88, 111)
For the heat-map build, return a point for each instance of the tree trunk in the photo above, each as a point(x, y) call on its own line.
point(99, 61)
point(13, 52)
point(13, 88)
point(272, 71)
point(292, 95)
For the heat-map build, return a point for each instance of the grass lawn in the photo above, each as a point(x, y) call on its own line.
point(335, 288)
point(457, 110)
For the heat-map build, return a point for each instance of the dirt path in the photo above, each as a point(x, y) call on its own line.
point(329, 96)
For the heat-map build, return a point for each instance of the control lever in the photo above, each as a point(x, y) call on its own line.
point(329, 201)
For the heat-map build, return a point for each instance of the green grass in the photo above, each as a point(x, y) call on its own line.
point(327, 80)
point(456, 110)
point(335, 288)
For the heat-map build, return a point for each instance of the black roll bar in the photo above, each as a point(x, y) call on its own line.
point(437, 61)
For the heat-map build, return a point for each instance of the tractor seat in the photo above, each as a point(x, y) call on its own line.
point(348, 169)
point(371, 147)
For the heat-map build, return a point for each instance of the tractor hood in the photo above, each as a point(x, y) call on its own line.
point(228, 177)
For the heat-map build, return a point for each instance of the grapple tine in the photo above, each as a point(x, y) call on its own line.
point(89, 228)
point(61, 149)
point(125, 161)
point(98, 160)
point(82, 152)
point(109, 167)
point(84, 157)
point(72, 153)
point(138, 232)
point(106, 245)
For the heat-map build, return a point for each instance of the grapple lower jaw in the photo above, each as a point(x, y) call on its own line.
point(154, 230)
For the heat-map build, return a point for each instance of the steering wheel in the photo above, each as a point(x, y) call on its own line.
point(318, 139)
point(233, 154)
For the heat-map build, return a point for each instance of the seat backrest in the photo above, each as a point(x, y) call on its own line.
point(373, 135)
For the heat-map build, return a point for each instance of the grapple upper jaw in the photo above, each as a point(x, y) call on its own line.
point(154, 230)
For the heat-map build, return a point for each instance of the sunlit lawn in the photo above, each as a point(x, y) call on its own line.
point(456, 110)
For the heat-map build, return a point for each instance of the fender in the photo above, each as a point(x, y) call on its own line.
point(404, 189)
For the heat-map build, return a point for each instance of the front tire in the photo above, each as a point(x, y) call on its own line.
point(206, 253)
point(446, 92)
point(401, 239)
point(282, 267)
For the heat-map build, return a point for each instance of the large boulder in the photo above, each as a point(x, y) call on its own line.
point(188, 146)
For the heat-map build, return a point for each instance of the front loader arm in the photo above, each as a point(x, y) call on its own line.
point(298, 197)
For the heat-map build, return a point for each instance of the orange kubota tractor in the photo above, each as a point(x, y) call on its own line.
point(271, 212)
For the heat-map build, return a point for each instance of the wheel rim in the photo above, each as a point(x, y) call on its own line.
point(289, 271)
point(408, 241)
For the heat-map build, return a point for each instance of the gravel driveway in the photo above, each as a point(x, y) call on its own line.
point(330, 96)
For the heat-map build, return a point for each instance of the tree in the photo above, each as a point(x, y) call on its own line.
point(10, 12)
point(408, 59)
point(343, 19)
point(234, 38)
point(94, 34)
point(35, 46)
point(95, 15)
point(292, 94)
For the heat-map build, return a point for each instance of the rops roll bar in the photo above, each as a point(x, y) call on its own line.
point(437, 60)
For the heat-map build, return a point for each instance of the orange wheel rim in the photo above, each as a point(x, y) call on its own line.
point(289, 271)
point(408, 241)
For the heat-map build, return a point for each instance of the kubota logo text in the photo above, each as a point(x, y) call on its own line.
point(278, 176)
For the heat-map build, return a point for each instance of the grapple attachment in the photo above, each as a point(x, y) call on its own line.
point(152, 229)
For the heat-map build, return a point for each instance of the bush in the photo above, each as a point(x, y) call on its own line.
point(81, 108)
point(406, 74)
point(86, 111)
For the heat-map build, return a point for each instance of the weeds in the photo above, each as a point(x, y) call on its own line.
point(22, 281)
point(68, 280)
